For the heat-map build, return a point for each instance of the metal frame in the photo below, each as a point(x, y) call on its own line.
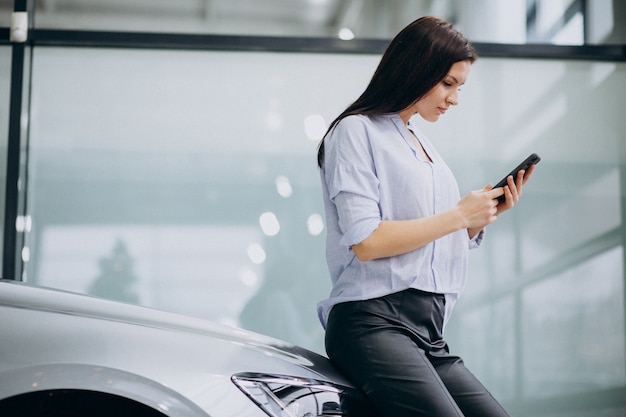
point(79, 38)
point(12, 193)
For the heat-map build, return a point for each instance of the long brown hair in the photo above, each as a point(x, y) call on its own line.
point(418, 58)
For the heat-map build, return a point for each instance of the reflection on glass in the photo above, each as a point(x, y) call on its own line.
point(269, 224)
point(256, 253)
point(283, 186)
point(573, 329)
point(179, 268)
point(315, 127)
point(315, 224)
point(596, 198)
point(474, 334)
point(248, 277)
point(116, 279)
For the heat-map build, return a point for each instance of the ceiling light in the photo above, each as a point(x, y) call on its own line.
point(346, 34)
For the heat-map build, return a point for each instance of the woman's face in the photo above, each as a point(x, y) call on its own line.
point(443, 95)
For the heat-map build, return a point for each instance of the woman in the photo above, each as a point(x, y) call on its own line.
point(398, 233)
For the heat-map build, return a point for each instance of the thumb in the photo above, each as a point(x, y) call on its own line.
point(488, 187)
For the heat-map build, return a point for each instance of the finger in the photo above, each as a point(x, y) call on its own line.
point(494, 192)
point(528, 172)
point(511, 195)
point(513, 187)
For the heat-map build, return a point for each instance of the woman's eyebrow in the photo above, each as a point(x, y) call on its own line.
point(455, 79)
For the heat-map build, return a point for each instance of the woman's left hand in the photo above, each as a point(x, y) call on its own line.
point(513, 191)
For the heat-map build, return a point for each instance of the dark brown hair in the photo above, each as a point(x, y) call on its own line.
point(418, 58)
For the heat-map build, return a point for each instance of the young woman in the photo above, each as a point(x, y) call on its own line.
point(398, 232)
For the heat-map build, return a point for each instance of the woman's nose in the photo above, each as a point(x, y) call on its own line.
point(453, 99)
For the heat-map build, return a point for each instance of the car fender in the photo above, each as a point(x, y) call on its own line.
point(51, 377)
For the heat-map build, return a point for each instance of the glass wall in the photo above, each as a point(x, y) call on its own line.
point(543, 316)
point(186, 181)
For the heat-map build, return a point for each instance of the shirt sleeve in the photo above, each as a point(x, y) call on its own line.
point(351, 179)
point(477, 240)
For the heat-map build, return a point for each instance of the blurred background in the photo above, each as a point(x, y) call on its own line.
point(182, 176)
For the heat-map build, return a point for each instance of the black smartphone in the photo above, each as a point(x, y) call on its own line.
point(532, 159)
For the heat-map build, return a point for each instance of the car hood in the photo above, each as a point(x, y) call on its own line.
point(35, 298)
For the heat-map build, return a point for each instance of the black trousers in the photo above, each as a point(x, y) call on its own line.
point(393, 349)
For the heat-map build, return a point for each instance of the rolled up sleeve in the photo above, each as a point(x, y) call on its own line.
point(357, 231)
point(353, 187)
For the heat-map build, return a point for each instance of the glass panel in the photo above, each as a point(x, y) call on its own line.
point(491, 21)
point(5, 94)
point(552, 268)
point(6, 8)
point(516, 107)
point(579, 315)
point(468, 336)
point(186, 181)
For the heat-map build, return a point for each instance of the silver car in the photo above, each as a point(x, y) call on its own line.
point(65, 354)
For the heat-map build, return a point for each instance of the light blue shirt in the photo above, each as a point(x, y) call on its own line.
point(372, 172)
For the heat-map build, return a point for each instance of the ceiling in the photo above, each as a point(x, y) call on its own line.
point(319, 18)
point(563, 22)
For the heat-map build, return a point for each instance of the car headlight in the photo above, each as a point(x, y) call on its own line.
point(287, 396)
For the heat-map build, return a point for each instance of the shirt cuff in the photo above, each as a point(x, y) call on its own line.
point(359, 231)
point(477, 240)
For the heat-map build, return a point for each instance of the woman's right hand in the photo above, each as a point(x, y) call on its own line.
point(480, 207)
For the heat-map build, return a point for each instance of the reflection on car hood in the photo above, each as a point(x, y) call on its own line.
point(26, 296)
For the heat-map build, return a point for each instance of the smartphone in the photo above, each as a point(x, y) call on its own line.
point(532, 159)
